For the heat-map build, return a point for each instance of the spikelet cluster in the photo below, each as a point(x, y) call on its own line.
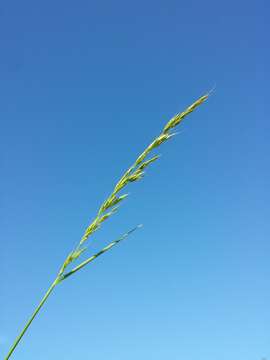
point(133, 174)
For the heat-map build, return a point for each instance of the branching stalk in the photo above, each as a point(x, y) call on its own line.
point(107, 209)
point(102, 251)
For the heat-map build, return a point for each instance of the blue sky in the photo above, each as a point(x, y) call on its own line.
point(85, 86)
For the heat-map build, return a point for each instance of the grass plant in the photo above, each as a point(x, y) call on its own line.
point(110, 206)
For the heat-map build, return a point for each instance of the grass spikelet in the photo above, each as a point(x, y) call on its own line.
point(122, 183)
point(77, 253)
point(137, 175)
point(134, 173)
point(107, 215)
point(160, 140)
point(180, 116)
point(148, 162)
point(142, 157)
point(112, 200)
point(91, 228)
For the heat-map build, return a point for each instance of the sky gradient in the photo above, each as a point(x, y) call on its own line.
point(84, 87)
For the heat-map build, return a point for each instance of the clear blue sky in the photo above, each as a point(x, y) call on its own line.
point(84, 87)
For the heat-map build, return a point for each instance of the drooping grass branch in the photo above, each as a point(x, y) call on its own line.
point(111, 205)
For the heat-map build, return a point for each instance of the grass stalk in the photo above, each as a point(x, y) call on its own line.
point(110, 206)
point(29, 322)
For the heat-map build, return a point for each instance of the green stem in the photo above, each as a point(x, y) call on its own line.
point(18, 339)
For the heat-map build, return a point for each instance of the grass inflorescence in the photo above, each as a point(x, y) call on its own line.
point(109, 207)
